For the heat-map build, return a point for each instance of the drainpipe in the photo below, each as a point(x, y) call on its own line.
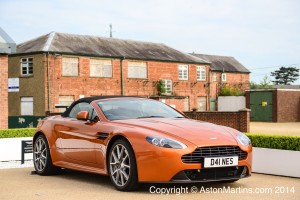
point(121, 72)
point(209, 81)
point(48, 82)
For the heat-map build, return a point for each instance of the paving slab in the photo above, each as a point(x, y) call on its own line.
point(20, 184)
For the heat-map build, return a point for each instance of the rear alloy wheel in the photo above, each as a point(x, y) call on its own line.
point(42, 158)
point(122, 166)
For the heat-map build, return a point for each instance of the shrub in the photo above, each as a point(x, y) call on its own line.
point(228, 91)
point(20, 132)
point(275, 141)
point(225, 91)
point(161, 88)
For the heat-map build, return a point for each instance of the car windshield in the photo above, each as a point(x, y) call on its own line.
point(118, 109)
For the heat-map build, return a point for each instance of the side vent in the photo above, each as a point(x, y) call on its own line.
point(102, 136)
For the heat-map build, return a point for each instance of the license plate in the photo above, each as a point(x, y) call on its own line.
point(221, 161)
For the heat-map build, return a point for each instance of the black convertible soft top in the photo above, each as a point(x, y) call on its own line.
point(89, 100)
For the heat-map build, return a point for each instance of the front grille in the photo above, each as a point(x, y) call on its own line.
point(216, 151)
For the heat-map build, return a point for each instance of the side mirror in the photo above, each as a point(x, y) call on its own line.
point(82, 115)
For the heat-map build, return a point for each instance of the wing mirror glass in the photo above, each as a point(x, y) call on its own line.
point(82, 115)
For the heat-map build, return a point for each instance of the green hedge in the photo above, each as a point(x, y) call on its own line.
point(275, 141)
point(18, 132)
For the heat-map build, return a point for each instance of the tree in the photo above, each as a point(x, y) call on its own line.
point(265, 83)
point(285, 75)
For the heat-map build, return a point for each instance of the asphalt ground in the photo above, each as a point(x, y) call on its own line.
point(21, 184)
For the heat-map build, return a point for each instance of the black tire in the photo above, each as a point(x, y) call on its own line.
point(42, 158)
point(118, 166)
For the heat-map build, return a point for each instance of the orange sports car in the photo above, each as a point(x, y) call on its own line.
point(137, 140)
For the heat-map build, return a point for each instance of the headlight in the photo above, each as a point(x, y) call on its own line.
point(243, 139)
point(165, 142)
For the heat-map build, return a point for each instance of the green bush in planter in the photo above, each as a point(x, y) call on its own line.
point(275, 141)
point(18, 132)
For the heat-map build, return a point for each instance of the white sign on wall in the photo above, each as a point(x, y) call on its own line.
point(13, 85)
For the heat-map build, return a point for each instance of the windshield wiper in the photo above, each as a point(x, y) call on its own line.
point(150, 116)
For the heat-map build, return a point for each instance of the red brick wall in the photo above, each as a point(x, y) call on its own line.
point(82, 84)
point(4, 91)
point(240, 80)
point(163, 70)
point(89, 86)
point(238, 120)
point(288, 106)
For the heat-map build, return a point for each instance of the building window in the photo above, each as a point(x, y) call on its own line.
point(183, 72)
point(100, 68)
point(137, 70)
point(65, 100)
point(26, 105)
point(167, 84)
point(26, 66)
point(201, 73)
point(201, 104)
point(215, 77)
point(70, 66)
point(223, 77)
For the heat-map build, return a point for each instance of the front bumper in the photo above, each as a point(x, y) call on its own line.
point(167, 166)
point(212, 174)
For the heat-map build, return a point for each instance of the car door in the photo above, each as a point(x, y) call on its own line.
point(78, 138)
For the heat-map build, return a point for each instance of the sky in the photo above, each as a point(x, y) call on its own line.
point(261, 34)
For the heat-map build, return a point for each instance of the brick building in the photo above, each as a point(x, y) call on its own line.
point(225, 71)
point(7, 46)
point(59, 68)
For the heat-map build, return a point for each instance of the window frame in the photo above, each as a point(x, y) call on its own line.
point(171, 86)
point(102, 66)
point(62, 69)
point(181, 74)
point(27, 68)
point(129, 66)
point(223, 77)
point(201, 69)
point(21, 103)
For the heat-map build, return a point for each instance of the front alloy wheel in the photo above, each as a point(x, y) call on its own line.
point(42, 158)
point(122, 166)
point(40, 155)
